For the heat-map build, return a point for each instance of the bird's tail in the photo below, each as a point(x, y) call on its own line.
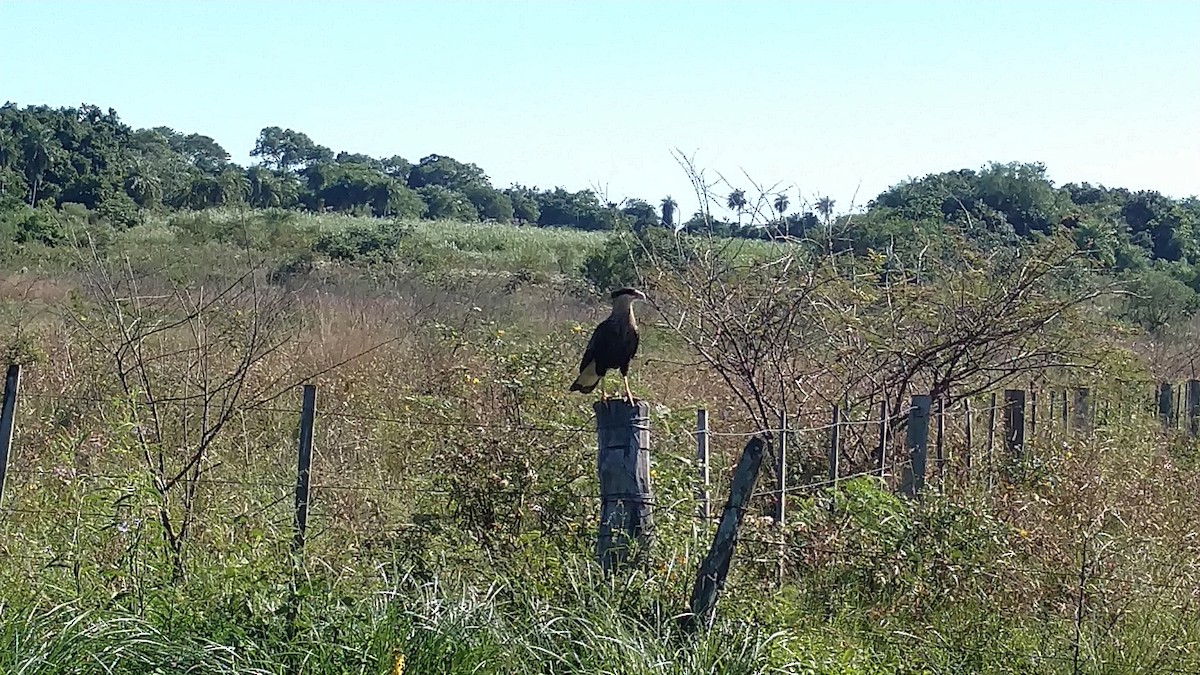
point(587, 380)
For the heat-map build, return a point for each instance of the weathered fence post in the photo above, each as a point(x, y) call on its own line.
point(884, 423)
point(1014, 423)
point(1193, 406)
point(1033, 416)
point(703, 495)
point(991, 438)
point(917, 443)
point(623, 466)
point(969, 443)
point(710, 579)
point(1166, 401)
point(781, 452)
point(1062, 404)
point(8, 416)
point(835, 454)
point(1083, 412)
point(939, 448)
point(308, 410)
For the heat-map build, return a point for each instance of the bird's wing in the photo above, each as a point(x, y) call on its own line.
point(589, 354)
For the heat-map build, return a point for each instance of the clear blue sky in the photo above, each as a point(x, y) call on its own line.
point(825, 96)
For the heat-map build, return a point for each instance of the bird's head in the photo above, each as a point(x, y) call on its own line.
point(626, 296)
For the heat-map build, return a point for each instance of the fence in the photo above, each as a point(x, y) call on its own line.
point(313, 458)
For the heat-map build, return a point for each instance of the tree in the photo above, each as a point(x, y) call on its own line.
point(286, 149)
point(443, 203)
point(446, 172)
point(781, 204)
point(669, 205)
point(201, 151)
point(825, 208)
point(396, 167)
point(525, 206)
point(490, 203)
point(642, 213)
point(737, 203)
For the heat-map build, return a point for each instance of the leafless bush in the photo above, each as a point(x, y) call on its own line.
point(184, 359)
point(790, 322)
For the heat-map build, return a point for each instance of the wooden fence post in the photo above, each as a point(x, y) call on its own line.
point(1033, 416)
point(1083, 412)
point(781, 450)
point(969, 444)
point(884, 423)
point(8, 416)
point(991, 436)
point(1014, 423)
point(308, 412)
point(710, 578)
point(917, 443)
point(1193, 407)
point(835, 454)
point(623, 466)
point(939, 448)
point(1177, 409)
point(1166, 400)
point(703, 495)
point(1062, 404)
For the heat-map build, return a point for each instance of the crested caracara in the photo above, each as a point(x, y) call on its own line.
point(613, 345)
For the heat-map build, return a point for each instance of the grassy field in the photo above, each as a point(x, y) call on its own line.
point(147, 518)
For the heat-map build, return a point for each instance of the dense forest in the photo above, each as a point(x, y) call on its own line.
point(86, 156)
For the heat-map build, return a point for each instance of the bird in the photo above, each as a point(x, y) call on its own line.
point(613, 345)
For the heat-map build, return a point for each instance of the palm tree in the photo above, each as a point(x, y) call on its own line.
point(825, 208)
point(38, 146)
point(781, 204)
point(737, 203)
point(668, 211)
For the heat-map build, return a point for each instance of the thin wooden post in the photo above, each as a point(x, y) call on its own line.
point(1062, 404)
point(8, 416)
point(1193, 407)
point(1033, 416)
point(781, 450)
point(710, 579)
point(939, 450)
point(969, 445)
point(917, 443)
point(702, 494)
point(835, 453)
point(991, 435)
point(623, 466)
point(308, 413)
point(884, 424)
point(1051, 417)
point(1166, 401)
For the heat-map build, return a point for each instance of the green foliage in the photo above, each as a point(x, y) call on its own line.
point(443, 203)
point(1159, 299)
point(376, 241)
point(22, 224)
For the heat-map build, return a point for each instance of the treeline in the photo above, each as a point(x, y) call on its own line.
point(87, 156)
